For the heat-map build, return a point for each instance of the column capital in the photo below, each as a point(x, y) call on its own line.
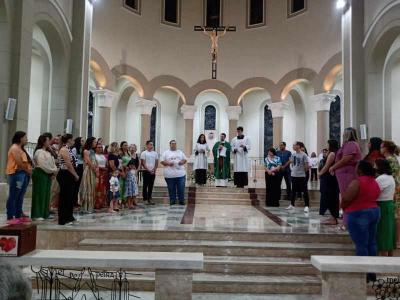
point(233, 112)
point(323, 101)
point(278, 108)
point(188, 111)
point(104, 97)
point(145, 106)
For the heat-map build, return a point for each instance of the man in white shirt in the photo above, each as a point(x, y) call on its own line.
point(149, 161)
point(174, 162)
point(241, 163)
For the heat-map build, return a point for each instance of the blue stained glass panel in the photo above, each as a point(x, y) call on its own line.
point(210, 116)
point(268, 130)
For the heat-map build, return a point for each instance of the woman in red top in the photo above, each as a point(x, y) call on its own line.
point(374, 150)
point(360, 204)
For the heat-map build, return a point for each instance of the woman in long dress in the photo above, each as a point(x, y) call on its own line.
point(87, 190)
point(102, 178)
point(200, 165)
point(45, 169)
point(125, 158)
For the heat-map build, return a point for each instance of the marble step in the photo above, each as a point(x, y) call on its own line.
point(213, 283)
point(222, 195)
point(258, 265)
point(220, 248)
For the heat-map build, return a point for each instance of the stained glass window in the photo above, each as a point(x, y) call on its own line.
point(268, 130)
point(210, 116)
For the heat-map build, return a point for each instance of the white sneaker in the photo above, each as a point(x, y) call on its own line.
point(290, 207)
point(306, 209)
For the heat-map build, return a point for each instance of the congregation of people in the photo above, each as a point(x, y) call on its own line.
point(86, 175)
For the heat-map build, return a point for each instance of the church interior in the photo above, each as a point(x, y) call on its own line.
point(171, 70)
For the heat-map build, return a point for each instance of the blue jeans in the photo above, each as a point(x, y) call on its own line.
point(17, 183)
point(176, 186)
point(363, 226)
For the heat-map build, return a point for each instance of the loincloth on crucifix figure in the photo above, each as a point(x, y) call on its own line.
point(214, 41)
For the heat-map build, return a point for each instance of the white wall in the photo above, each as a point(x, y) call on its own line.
point(132, 122)
point(35, 97)
point(307, 40)
point(66, 8)
point(372, 9)
point(220, 102)
point(169, 102)
point(395, 98)
point(252, 119)
point(289, 124)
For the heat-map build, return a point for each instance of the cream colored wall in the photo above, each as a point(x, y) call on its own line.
point(252, 120)
point(66, 8)
point(395, 95)
point(307, 40)
point(372, 9)
point(169, 102)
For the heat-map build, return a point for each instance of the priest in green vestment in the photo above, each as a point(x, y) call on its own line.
point(222, 161)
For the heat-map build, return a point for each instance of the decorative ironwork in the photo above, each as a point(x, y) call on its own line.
point(68, 284)
point(388, 289)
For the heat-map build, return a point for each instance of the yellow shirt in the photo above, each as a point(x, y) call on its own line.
point(12, 166)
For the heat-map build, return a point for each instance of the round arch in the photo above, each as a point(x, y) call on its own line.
point(102, 73)
point(135, 76)
point(212, 85)
point(251, 84)
point(294, 77)
point(172, 83)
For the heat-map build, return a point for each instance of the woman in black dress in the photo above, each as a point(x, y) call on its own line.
point(329, 186)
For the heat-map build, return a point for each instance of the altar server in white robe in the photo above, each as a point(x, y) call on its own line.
point(200, 164)
point(241, 163)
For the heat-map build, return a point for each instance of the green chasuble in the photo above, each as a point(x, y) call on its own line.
point(225, 162)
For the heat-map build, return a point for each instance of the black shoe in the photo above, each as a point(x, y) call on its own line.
point(149, 202)
point(181, 203)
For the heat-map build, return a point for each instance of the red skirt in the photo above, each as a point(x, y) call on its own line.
point(101, 189)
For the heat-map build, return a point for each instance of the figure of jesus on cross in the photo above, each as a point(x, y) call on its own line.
point(212, 32)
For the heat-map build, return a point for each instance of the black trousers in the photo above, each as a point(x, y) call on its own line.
point(299, 186)
point(240, 179)
point(273, 189)
point(314, 174)
point(288, 181)
point(329, 195)
point(201, 176)
point(67, 192)
point(148, 184)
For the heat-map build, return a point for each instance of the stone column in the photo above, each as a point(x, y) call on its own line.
point(145, 106)
point(79, 66)
point(349, 286)
point(15, 58)
point(323, 105)
point(188, 112)
point(233, 116)
point(102, 116)
point(277, 109)
point(173, 285)
point(353, 63)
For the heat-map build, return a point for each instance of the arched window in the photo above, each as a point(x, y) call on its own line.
point(153, 125)
point(90, 114)
point(268, 130)
point(335, 120)
point(210, 118)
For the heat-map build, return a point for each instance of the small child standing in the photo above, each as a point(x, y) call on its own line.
point(114, 195)
point(131, 187)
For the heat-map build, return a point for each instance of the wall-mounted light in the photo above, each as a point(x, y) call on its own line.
point(340, 4)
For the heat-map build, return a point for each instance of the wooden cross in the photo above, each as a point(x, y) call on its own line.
point(212, 32)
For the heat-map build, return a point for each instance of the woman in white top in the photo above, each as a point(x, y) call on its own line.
point(386, 235)
point(45, 169)
point(200, 165)
point(314, 166)
point(102, 178)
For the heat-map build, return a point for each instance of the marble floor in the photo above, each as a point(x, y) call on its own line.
point(218, 217)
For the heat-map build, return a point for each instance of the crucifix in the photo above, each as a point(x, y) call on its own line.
point(212, 32)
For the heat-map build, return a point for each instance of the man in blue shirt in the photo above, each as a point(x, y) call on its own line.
point(285, 156)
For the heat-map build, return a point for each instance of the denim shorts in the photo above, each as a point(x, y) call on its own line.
point(113, 196)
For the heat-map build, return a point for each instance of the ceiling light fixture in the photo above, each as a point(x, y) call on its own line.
point(340, 4)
